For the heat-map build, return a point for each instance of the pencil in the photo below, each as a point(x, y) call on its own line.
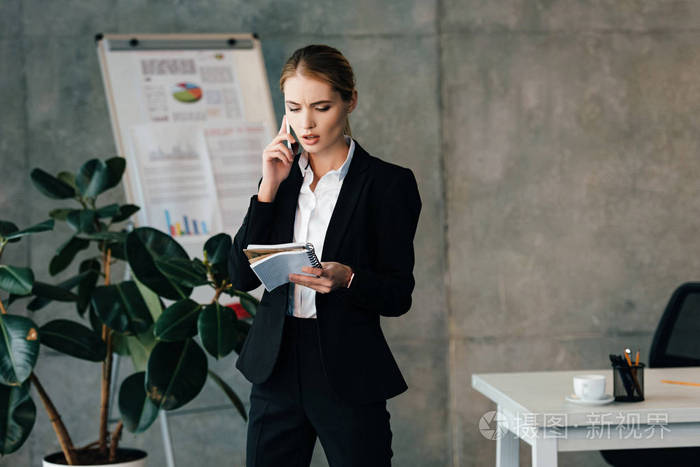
point(636, 359)
point(682, 383)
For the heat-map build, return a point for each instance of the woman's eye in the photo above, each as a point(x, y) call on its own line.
point(322, 109)
point(294, 110)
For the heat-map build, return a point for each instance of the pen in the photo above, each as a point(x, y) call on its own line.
point(683, 383)
point(633, 372)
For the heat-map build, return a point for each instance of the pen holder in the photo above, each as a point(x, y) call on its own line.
point(628, 383)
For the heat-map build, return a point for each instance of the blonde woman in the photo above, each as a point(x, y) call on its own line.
point(316, 355)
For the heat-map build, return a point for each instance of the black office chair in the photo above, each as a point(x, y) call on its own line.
point(676, 344)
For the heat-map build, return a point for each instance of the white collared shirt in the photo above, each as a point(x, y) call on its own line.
point(314, 210)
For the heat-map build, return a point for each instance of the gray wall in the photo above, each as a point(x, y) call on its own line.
point(570, 149)
point(554, 148)
point(55, 116)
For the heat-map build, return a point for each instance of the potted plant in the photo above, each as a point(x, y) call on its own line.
point(128, 317)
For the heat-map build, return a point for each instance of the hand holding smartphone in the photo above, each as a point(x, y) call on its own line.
point(276, 162)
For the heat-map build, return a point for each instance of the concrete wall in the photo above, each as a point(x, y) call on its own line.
point(555, 149)
point(55, 117)
point(571, 161)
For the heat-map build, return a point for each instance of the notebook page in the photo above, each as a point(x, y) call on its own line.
point(274, 270)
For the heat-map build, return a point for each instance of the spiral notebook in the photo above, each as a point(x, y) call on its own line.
point(274, 263)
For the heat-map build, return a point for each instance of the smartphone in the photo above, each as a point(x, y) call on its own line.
point(289, 130)
point(293, 146)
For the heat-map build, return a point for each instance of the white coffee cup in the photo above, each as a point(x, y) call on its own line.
point(589, 387)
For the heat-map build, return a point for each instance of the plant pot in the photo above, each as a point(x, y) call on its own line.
point(133, 458)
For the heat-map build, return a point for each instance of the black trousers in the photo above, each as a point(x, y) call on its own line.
point(296, 404)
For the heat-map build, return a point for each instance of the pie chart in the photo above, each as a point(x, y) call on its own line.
point(187, 92)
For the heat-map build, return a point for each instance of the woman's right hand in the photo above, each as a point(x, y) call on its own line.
point(277, 161)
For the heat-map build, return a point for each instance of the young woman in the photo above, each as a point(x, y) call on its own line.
point(316, 355)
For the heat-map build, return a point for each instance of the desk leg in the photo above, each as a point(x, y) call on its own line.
point(544, 451)
point(507, 447)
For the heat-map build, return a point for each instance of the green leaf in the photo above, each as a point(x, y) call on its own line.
point(137, 410)
point(119, 344)
point(95, 322)
point(90, 273)
point(41, 227)
point(7, 228)
point(184, 271)
point(151, 298)
point(68, 178)
point(217, 248)
point(16, 280)
point(12, 298)
point(249, 306)
point(60, 214)
point(92, 178)
point(241, 294)
point(18, 416)
point(217, 252)
point(248, 302)
point(106, 235)
point(217, 329)
point(115, 170)
point(121, 307)
point(178, 321)
point(125, 212)
point(66, 254)
point(108, 211)
point(51, 186)
point(145, 249)
point(176, 373)
point(48, 292)
point(73, 339)
point(42, 300)
point(19, 348)
point(82, 220)
point(137, 347)
point(118, 251)
point(228, 390)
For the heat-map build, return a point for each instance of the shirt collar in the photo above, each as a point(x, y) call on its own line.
point(305, 166)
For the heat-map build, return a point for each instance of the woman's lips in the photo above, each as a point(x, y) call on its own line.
point(310, 140)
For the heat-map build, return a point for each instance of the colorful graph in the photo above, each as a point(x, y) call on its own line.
point(187, 227)
point(187, 92)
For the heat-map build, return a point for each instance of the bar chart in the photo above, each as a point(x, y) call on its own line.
point(188, 226)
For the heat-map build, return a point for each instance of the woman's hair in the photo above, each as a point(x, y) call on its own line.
point(324, 63)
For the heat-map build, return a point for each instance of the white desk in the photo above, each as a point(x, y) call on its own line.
point(531, 407)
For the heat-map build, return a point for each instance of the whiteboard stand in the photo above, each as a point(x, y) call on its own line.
point(167, 441)
point(163, 416)
point(125, 60)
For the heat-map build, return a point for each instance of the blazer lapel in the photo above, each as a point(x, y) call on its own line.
point(345, 206)
point(288, 195)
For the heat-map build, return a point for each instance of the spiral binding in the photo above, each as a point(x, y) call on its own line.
point(311, 253)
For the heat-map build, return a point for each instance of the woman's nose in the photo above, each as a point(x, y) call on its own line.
point(308, 121)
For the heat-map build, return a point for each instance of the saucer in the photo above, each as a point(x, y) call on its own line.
point(608, 398)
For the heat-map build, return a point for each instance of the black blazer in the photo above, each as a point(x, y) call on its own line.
point(371, 230)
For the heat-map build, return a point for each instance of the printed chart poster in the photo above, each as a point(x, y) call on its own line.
point(175, 179)
point(188, 86)
point(235, 151)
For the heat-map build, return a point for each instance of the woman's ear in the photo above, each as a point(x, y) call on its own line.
point(353, 101)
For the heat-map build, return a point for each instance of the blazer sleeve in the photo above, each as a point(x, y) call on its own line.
point(387, 287)
point(256, 228)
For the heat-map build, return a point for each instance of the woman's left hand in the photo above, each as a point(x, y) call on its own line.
point(332, 276)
